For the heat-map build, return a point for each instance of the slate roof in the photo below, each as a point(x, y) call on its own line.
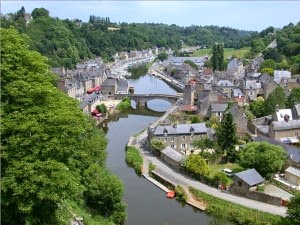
point(297, 109)
point(293, 152)
point(293, 170)
point(196, 60)
point(218, 107)
point(278, 74)
point(122, 85)
point(237, 92)
point(283, 125)
point(251, 177)
point(252, 84)
point(225, 83)
point(172, 154)
point(109, 82)
point(199, 128)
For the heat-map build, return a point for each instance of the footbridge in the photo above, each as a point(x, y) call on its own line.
point(142, 99)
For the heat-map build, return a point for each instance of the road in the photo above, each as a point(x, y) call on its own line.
point(180, 179)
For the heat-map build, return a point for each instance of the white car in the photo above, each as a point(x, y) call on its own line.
point(228, 172)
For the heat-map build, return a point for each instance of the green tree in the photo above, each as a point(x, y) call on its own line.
point(204, 143)
point(293, 211)
point(46, 141)
point(264, 157)
point(192, 64)
point(197, 165)
point(217, 57)
point(294, 97)
point(102, 108)
point(268, 63)
point(39, 12)
point(195, 119)
point(162, 56)
point(257, 107)
point(157, 144)
point(227, 137)
point(100, 196)
point(277, 97)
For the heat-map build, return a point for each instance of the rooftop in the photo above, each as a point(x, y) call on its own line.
point(172, 154)
point(251, 177)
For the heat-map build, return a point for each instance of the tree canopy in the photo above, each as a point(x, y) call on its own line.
point(197, 165)
point(264, 157)
point(227, 137)
point(294, 97)
point(293, 211)
point(277, 97)
point(47, 142)
point(218, 57)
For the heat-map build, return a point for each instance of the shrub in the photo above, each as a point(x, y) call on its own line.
point(151, 167)
point(134, 158)
point(125, 104)
point(181, 196)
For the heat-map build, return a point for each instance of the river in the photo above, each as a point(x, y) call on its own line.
point(146, 203)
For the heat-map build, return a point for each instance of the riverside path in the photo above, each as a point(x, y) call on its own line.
point(180, 179)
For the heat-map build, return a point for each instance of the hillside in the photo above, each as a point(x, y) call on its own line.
point(67, 42)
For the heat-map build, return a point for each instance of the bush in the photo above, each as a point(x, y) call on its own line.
point(221, 177)
point(181, 196)
point(125, 104)
point(134, 158)
point(260, 188)
point(151, 167)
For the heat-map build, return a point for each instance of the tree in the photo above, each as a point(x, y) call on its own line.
point(204, 143)
point(39, 12)
point(192, 64)
point(47, 142)
point(197, 165)
point(157, 144)
point(257, 107)
point(268, 63)
point(227, 137)
point(162, 56)
point(195, 119)
point(98, 195)
point(221, 177)
point(102, 108)
point(277, 97)
point(264, 157)
point(294, 97)
point(217, 57)
point(293, 211)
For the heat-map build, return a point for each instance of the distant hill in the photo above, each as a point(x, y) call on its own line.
point(67, 42)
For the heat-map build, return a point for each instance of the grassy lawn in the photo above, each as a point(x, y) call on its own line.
point(216, 167)
point(227, 52)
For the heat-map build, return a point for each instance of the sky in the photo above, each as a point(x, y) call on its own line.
point(245, 15)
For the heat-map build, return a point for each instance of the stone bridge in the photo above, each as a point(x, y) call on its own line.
point(142, 99)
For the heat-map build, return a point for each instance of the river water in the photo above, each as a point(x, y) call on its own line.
point(146, 203)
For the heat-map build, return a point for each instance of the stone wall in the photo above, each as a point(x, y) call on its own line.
point(255, 195)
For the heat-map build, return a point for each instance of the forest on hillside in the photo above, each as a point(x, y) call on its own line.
point(67, 42)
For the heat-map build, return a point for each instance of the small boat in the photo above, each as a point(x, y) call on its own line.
point(171, 194)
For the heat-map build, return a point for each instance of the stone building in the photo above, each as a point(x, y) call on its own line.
point(179, 136)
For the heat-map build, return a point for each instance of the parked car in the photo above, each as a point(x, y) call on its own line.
point(228, 172)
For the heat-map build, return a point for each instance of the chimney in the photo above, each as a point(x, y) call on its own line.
point(277, 108)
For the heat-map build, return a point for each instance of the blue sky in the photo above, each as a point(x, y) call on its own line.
point(247, 15)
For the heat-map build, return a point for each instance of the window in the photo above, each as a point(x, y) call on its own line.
point(183, 137)
point(296, 133)
point(172, 146)
point(166, 140)
point(172, 139)
point(183, 146)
